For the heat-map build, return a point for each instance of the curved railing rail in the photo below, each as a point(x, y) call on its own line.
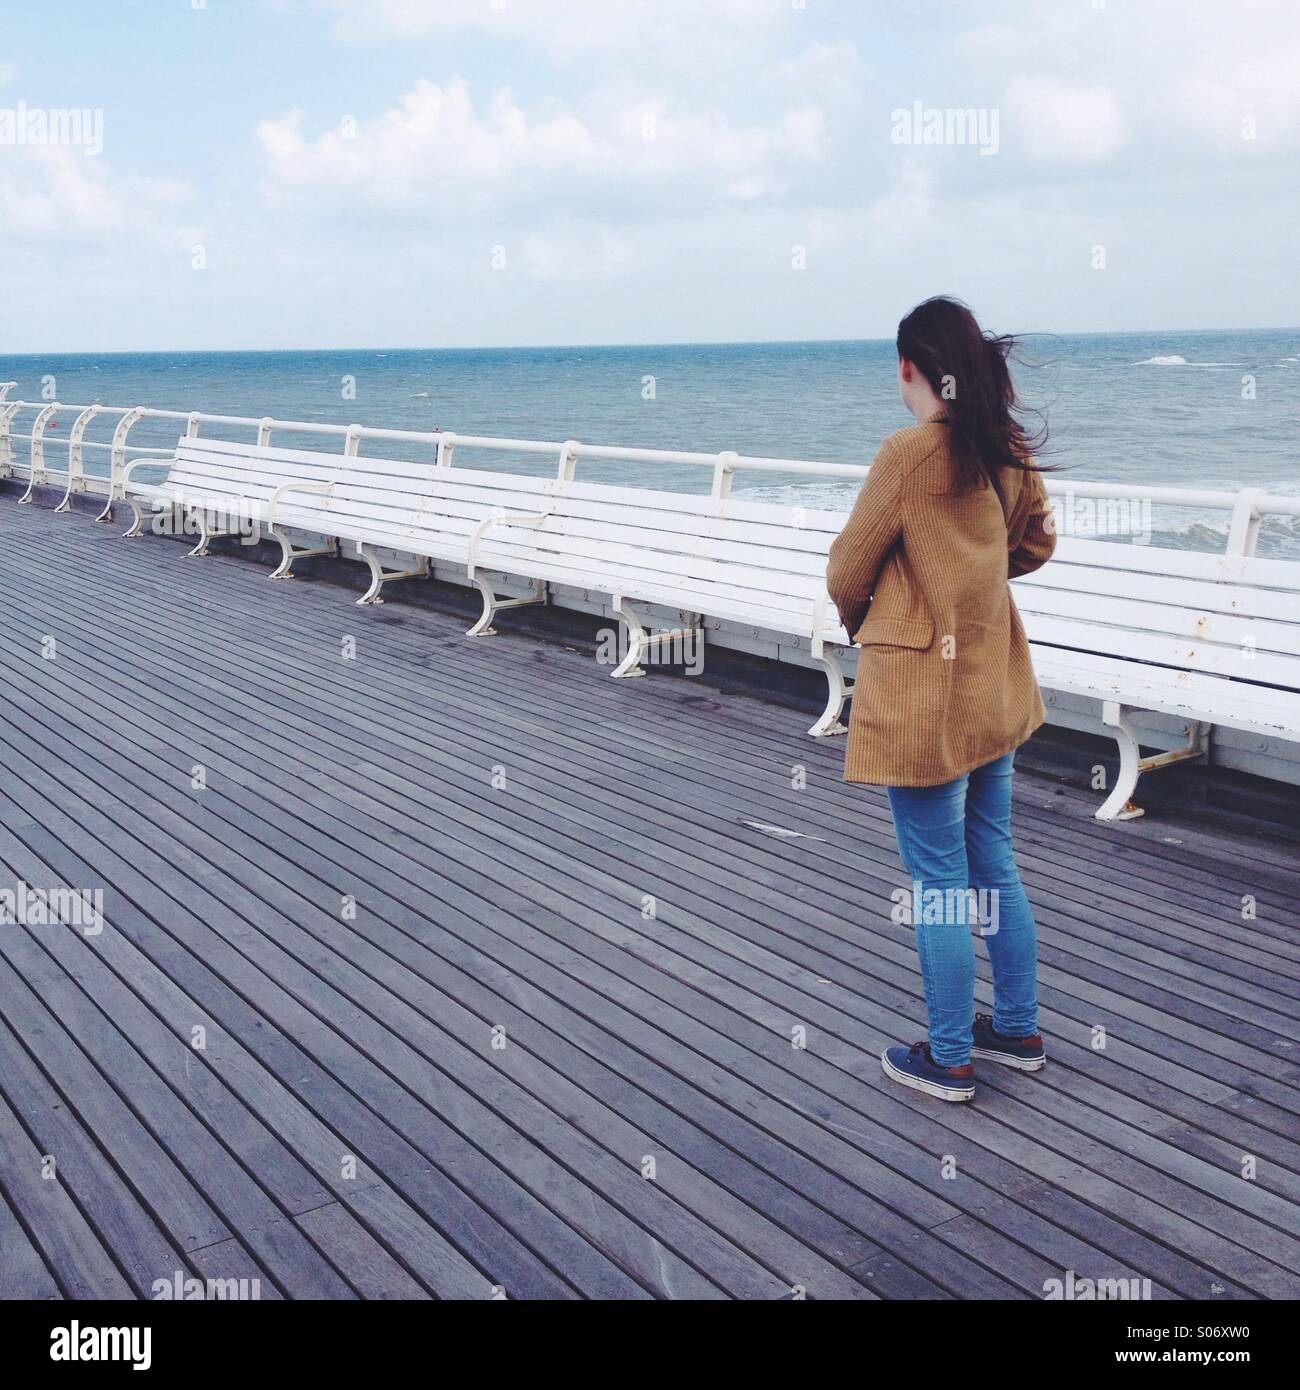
point(1244, 508)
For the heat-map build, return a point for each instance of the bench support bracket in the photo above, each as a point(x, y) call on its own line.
point(839, 691)
point(493, 605)
point(1119, 804)
point(291, 552)
point(640, 639)
point(137, 519)
point(379, 576)
point(206, 534)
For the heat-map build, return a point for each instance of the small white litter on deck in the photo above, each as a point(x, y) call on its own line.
point(780, 831)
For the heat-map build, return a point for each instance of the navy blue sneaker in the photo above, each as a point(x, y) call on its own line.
point(1025, 1054)
point(913, 1066)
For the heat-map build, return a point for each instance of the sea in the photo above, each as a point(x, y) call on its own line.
point(1206, 409)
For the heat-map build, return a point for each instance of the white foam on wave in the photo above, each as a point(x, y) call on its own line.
point(1173, 360)
point(817, 494)
point(1176, 528)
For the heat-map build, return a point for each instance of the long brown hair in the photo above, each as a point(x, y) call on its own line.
point(967, 369)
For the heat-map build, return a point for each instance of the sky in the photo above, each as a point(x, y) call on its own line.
point(444, 173)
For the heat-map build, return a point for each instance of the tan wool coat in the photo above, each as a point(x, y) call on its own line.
point(919, 575)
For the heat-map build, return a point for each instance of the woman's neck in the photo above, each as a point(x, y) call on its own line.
point(924, 406)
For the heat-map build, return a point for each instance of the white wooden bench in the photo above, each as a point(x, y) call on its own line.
point(758, 564)
point(380, 508)
point(223, 486)
point(1210, 639)
point(386, 507)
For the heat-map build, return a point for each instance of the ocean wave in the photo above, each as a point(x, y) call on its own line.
point(1175, 361)
point(1174, 528)
point(1279, 537)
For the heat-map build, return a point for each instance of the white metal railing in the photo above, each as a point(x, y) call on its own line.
point(1244, 508)
point(567, 453)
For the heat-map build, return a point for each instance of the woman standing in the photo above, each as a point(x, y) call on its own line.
point(945, 693)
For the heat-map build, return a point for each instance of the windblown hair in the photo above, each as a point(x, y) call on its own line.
point(967, 369)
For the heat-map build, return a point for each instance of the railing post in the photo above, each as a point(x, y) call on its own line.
point(446, 448)
point(76, 469)
point(352, 441)
point(264, 431)
point(38, 437)
point(723, 472)
point(7, 413)
point(117, 456)
point(568, 460)
point(1243, 529)
point(38, 448)
point(192, 424)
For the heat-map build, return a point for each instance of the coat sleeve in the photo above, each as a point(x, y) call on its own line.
point(872, 530)
point(1032, 537)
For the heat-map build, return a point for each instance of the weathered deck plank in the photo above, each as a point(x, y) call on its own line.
point(627, 1037)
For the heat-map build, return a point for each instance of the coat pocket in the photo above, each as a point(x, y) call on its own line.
point(916, 633)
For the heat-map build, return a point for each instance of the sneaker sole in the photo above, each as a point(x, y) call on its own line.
point(930, 1088)
point(1019, 1063)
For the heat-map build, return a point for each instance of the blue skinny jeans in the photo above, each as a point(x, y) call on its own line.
point(955, 842)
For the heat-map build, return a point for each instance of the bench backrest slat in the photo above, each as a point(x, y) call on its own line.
point(1261, 572)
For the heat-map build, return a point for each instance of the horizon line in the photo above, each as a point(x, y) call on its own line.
point(559, 347)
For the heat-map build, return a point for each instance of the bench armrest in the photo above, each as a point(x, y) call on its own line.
point(276, 493)
point(141, 463)
point(825, 631)
point(501, 519)
point(819, 610)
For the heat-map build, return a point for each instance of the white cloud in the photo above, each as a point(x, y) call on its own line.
point(1066, 124)
point(994, 44)
point(585, 253)
point(1217, 102)
point(432, 134)
point(434, 143)
point(89, 250)
point(907, 205)
point(566, 28)
point(656, 140)
point(1166, 83)
point(57, 193)
point(831, 73)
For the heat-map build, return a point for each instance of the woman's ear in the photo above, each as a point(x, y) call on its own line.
point(905, 369)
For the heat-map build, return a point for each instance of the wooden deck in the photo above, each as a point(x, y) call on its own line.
point(543, 1087)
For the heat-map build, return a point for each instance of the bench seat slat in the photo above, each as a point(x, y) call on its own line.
point(1186, 694)
point(1163, 648)
point(1258, 571)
